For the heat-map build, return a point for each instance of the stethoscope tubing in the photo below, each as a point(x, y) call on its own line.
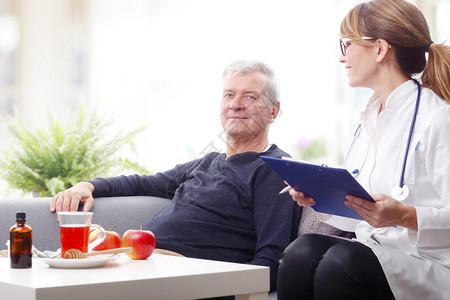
point(401, 185)
point(411, 130)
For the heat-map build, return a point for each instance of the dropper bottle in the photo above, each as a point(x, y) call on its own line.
point(20, 240)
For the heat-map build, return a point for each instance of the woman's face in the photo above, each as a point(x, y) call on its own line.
point(360, 63)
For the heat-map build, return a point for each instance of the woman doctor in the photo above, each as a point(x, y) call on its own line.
point(400, 154)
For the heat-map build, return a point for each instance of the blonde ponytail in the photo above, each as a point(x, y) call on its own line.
point(436, 75)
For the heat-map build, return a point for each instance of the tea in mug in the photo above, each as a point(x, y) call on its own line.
point(74, 236)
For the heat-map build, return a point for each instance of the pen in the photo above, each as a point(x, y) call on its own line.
point(285, 190)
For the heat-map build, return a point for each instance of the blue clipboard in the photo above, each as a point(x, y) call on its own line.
point(327, 185)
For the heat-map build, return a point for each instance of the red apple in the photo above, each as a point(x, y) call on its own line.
point(112, 240)
point(143, 243)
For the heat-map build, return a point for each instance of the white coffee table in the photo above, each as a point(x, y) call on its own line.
point(159, 277)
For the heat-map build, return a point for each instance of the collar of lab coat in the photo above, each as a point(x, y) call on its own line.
point(395, 99)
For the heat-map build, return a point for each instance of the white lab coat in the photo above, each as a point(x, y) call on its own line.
point(416, 264)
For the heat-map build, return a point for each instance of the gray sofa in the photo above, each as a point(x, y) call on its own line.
point(123, 212)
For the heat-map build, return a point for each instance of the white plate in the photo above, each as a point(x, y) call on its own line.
point(84, 263)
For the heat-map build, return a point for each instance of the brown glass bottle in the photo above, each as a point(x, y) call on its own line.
point(20, 243)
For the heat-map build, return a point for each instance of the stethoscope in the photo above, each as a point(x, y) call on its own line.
point(400, 191)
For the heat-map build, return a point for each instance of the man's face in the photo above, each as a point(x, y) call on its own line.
point(245, 112)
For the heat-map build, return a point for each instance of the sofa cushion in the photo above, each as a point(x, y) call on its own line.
point(126, 212)
point(310, 223)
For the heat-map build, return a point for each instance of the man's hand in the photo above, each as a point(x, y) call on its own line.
point(301, 199)
point(70, 199)
point(385, 212)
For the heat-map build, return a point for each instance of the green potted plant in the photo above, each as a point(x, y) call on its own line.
point(46, 162)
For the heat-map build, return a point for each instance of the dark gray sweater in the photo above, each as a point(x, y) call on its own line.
point(221, 209)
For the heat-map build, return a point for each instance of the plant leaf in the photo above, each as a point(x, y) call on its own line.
point(78, 149)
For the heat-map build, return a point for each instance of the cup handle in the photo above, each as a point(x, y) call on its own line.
point(99, 239)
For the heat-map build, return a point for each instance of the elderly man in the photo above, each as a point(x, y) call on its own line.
point(225, 206)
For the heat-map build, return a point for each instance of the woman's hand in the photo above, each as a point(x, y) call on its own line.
point(385, 212)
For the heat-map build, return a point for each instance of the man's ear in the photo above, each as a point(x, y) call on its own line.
point(383, 48)
point(275, 109)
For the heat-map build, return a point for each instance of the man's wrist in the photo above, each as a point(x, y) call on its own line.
point(87, 185)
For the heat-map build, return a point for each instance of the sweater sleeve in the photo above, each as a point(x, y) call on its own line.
point(161, 184)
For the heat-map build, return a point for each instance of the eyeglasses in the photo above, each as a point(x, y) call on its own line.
point(345, 43)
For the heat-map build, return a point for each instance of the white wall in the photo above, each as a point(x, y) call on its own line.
point(159, 62)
